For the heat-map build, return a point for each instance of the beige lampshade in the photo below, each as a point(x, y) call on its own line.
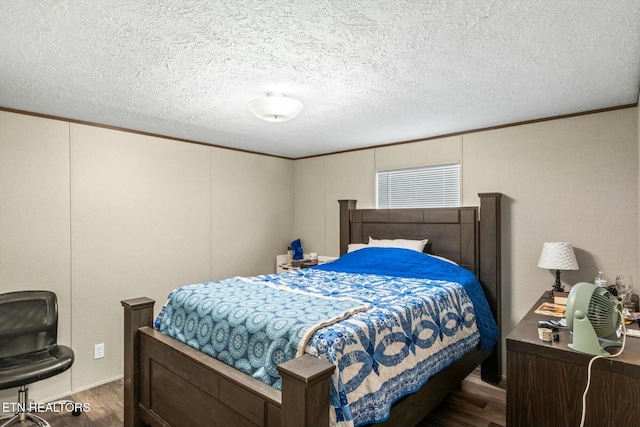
point(558, 256)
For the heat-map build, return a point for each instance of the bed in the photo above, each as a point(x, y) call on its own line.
point(167, 382)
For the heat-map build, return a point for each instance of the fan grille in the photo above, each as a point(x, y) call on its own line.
point(603, 313)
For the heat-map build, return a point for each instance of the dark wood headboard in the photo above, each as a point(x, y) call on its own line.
point(469, 236)
point(451, 231)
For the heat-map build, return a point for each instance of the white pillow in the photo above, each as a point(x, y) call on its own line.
point(416, 245)
point(444, 259)
point(355, 246)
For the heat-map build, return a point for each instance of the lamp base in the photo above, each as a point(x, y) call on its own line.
point(557, 286)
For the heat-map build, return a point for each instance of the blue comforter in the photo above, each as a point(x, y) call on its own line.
point(412, 264)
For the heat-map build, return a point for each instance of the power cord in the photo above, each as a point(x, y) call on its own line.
point(593, 359)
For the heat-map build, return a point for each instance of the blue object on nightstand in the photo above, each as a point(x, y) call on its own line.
point(297, 249)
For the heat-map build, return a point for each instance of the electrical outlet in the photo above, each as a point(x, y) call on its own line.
point(98, 351)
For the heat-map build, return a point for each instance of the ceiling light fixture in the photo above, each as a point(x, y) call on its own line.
point(275, 107)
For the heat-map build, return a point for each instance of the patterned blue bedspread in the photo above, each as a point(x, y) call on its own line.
point(251, 326)
point(415, 327)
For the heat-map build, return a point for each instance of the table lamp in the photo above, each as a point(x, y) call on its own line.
point(558, 256)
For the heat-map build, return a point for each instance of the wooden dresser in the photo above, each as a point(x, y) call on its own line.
point(546, 380)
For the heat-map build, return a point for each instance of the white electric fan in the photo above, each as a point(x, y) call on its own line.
point(594, 318)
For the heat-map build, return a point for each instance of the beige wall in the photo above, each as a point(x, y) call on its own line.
point(251, 212)
point(100, 215)
point(573, 179)
point(423, 153)
point(309, 204)
point(139, 227)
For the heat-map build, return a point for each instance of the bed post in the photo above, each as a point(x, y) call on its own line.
point(345, 231)
point(490, 275)
point(138, 312)
point(305, 392)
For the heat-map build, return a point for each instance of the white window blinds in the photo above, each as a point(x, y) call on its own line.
point(425, 187)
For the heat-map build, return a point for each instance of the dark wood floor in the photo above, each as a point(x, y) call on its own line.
point(473, 404)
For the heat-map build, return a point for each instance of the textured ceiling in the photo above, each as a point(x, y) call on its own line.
point(369, 72)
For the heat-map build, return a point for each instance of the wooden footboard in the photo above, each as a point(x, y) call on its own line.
point(168, 383)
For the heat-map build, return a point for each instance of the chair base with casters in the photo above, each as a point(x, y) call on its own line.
point(24, 412)
point(29, 352)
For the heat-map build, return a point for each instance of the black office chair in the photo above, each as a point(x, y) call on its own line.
point(29, 351)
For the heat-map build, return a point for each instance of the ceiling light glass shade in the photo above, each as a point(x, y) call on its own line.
point(275, 107)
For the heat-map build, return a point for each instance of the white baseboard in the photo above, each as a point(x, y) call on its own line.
point(60, 396)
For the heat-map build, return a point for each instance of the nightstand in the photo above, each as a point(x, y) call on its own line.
point(281, 262)
point(546, 380)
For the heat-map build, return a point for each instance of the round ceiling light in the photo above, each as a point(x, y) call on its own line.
point(275, 107)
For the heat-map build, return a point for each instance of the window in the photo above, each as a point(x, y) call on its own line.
point(425, 187)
